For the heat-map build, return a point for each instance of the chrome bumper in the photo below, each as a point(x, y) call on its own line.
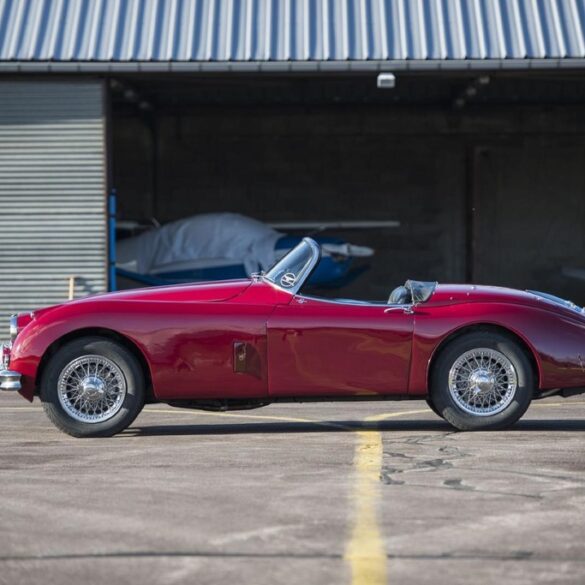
point(9, 380)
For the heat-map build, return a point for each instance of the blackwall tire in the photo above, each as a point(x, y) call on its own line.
point(432, 406)
point(92, 387)
point(482, 381)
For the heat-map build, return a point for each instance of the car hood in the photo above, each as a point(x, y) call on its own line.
point(199, 292)
point(446, 294)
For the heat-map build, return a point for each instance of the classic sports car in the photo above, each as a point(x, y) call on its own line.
point(478, 355)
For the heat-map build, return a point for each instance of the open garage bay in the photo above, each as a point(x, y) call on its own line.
point(321, 493)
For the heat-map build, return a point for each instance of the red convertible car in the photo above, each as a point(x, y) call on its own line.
point(477, 355)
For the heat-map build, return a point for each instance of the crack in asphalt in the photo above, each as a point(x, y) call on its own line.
point(413, 463)
point(402, 463)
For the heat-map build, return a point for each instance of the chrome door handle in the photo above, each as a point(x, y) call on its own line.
point(408, 309)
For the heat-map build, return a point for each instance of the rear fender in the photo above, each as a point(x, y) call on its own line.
point(556, 342)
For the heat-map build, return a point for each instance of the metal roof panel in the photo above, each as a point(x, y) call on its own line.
point(232, 31)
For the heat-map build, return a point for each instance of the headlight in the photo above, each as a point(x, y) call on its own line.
point(13, 327)
point(18, 322)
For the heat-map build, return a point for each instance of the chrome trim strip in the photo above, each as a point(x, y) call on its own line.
point(5, 355)
point(13, 327)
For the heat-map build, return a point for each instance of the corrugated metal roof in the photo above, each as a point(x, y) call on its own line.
point(289, 33)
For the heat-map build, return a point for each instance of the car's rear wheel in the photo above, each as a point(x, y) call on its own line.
point(92, 387)
point(482, 381)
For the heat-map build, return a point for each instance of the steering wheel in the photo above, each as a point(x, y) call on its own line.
point(400, 296)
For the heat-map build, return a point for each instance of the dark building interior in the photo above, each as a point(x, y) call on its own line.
point(484, 172)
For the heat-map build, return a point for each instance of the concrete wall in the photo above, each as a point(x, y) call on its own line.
point(425, 167)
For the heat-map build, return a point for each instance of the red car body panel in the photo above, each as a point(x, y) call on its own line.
point(295, 346)
point(322, 348)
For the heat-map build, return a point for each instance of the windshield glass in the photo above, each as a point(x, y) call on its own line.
point(558, 301)
point(292, 269)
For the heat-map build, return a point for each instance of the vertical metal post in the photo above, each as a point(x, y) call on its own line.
point(112, 240)
point(71, 294)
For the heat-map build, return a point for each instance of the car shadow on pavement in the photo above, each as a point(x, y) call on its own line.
point(334, 426)
point(340, 426)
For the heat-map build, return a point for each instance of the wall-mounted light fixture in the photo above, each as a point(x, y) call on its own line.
point(386, 81)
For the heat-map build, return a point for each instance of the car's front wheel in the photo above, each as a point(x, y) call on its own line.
point(432, 406)
point(92, 387)
point(482, 381)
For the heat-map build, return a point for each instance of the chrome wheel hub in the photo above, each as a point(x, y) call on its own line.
point(91, 389)
point(482, 382)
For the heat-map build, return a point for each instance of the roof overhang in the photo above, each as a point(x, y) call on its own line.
point(100, 67)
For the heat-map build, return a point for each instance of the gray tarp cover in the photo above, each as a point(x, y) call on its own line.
point(212, 239)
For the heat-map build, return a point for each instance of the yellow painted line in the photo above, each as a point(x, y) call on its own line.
point(365, 552)
point(250, 416)
point(23, 408)
point(557, 404)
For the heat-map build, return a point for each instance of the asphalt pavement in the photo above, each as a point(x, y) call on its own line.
point(356, 493)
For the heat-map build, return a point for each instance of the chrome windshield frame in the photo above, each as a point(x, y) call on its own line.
point(420, 290)
point(315, 257)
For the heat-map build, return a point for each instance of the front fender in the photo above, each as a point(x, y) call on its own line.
point(44, 330)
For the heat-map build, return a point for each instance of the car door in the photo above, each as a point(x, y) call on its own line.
point(318, 347)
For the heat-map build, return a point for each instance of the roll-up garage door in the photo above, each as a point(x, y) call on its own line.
point(52, 193)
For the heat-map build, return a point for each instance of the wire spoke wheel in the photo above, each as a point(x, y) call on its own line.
point(482, 381)
point(91, 389)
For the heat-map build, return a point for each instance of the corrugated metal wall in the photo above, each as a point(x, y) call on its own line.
point(52, 193)
point(235, 31)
